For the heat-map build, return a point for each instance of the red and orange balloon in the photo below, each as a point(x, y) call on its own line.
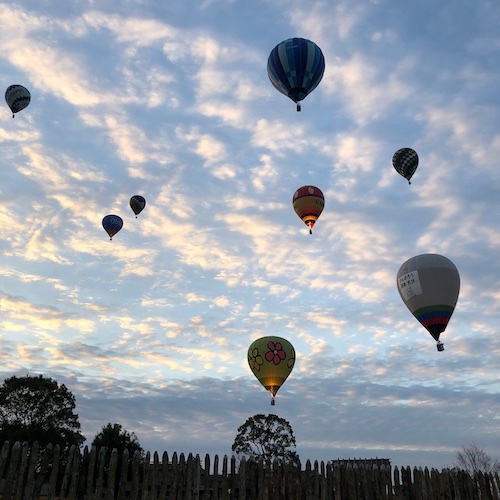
point(308, 203)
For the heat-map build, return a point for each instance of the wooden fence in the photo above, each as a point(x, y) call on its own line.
point(26, 474)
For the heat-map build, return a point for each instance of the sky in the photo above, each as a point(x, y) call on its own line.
point(171, 100)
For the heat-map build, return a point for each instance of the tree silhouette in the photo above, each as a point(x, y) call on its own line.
point(38, 409)
point(114, 436)
point(473, 459)
point(267, 438)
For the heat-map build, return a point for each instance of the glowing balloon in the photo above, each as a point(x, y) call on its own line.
point(429, 285)
point(405, 161)
point(137, 204)
point(112, 224)
point(17, 98)
point(295, 68)
point(308, 203)
point(271, 360)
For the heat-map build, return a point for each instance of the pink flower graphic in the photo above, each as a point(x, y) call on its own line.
point(276, 354)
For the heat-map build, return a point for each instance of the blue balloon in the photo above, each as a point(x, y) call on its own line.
point(112, 224)
point(295, 68)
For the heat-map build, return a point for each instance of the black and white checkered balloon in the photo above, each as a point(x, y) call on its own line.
point(405, 161)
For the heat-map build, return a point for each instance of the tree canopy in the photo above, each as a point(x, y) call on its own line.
point(114, 436)
point(38, 409)
point(267, 438)
point(473, 459)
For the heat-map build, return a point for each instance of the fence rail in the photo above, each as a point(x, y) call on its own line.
point(27, 473)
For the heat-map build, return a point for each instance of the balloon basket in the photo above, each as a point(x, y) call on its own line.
point(273, 402)
point(440, 346)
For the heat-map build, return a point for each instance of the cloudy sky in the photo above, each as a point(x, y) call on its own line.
point(171, 100)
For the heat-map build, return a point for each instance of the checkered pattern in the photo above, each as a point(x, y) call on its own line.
point(405, 161)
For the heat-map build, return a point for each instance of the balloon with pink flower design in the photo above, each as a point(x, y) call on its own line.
point(271, 360)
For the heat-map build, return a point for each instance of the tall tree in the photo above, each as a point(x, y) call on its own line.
point(267, 438)
point(473, 459)
point(114, 436)
point(38, 409)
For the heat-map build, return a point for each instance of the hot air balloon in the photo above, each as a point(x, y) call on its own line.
point(112, 224)
point(137, 204)
point(429, 285)
point(308, 203)
point(405, 161)
point(271, 360)
point(17, 98)
point(295, 68)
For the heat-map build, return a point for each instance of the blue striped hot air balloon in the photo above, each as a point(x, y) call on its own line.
point(295, 68)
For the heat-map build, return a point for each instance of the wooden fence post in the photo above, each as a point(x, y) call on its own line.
point(12, 471)
point(30, 479)
point(165, 476)
point(224, 480)
point(136, 475)
point(242, 483)
point(189, 478)
point(52, 461)
point(21, 471)
point(69, 472)
point(124, 469)
point(182, 477)
point(216, 478)
point(146, 485)
point(91, 468)
point(4, 458)
point(206, 478)
point(111, 480)
point(155, 476)
point(101, 464)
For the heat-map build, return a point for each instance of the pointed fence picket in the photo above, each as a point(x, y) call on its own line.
point(31, 474)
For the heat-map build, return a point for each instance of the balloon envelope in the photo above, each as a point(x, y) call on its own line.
point(137, 204)
point(429, 285)
point(112, 224)
point(295, 68)
point(308, 203)
point(405, 161)
point(17, 98)
point(271, 360)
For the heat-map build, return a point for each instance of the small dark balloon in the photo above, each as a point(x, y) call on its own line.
point(137, 204)
point(405, 161)
point(17, 98)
